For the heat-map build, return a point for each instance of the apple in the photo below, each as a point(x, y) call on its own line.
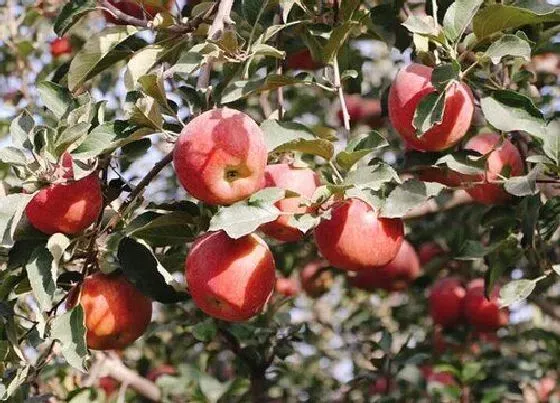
point(160, 370)
point(363, 110)
point(67, 207)
point(137, 9)
point(504, 158)
point(287, 286)
point(230, 279)
point(301, 60)
point(446, 299)
point(299, 180)
point(220, 157)
point(443, 377)
point(441, 175)
point(394, 276)
point(356, 238)
point(60, 46)
point(483, 314)
point(413, 83)
point(116, 313)
point(108, 384)
point(315, 278)
point(428, 251)
point(544, 388)
point(381, 385)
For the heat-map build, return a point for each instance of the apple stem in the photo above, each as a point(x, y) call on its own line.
point(338, 86)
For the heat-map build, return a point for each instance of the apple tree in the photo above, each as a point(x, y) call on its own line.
point(279, 201)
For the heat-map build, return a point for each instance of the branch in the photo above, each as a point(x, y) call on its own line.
point(216, 29)
point(546, 307)
point(338, 86)
point(129, 19)
point(430, 207)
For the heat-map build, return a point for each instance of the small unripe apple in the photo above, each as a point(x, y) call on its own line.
point(483, 314)
point(60, 46)
point(356, 238)
point(230, 279)
point(299, 180)
point(428, 251)
point(413, 83)
point(362, 110)
point(394, 276)
point(220, 157)
point(302, 60)
point(116, 313)
point(504, 158)
point(68, 207)
point(446, 299)
point(316, 279)
point(287, 286)
point(137, 9)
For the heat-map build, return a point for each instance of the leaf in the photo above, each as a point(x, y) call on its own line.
point(141, 267)
point(140, 64)
point(508, 45)
point(241, 89)
point(556, 268)
point(289, 136)
point(551, 141)
point(472, 250)
point(205, 331)
point(42, 277)
point(13, 156)
point(458, 17)
point(262, 49)
point(56, 98)
point(242, 218)
point(15, 383)
point(175, 228)
point(410, 194)
point(421, 24)
point(372, 177)
point(12, 207)
point(499, 17)
point(69, 328)
point(523, 185)
point(71, 14)
point(464, 162)
point(337, 38)
point(358, 148)
point(508, 111)
point(444, 73)
point(21, 129)
point(429, 112)
point(88, 61)
point(56, 245)
point(146, 113)
point(70, 137)
point(517, 290)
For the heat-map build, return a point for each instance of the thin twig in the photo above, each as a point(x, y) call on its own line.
point(338, 87)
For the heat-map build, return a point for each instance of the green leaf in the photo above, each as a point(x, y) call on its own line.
point(358, 148)
point(12, 207)
point(337, 38)
point(56, 245)
point(499, 17)
point(472, 250)
point(69, 328)
point(70, 137)
point(372, 177)
point(444, 73)
point(517, 290)
point(242, 218)
point(508, 45)
point(243, 88)
point(56, 98)
point(140, 64)
point(141, 267)
point(90, 59)
point(458, 17)
point(15, 383)
point(551, 141)
point(429, 112)
point(21, 129)
point(13, 156)
point(410, 194)
point(146, 113)
point(205, 331)
point(508, 111)
point(71, 14)
point(289, 136)
point(175, 228)
point(42, 277)
point(523, 185)
point(262, 49)
point(463, 162)
point(421, 24)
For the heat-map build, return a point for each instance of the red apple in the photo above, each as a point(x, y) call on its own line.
point(483, 314)
point(116, 313)
point(363, 110)
point(220, 157)
point(160, 370)
point(441, 175)
point(445, 378)
point(413, 83)
point(138, 9)
point(60, 46)
point(302, 60)
point(428, 251)
point(287, 286)
point(109, 385)
point(299, 180)
point(68, 207)
point(356, 238)
point(230, 279)
point(446, 298)
point(394, 276)
point(315, 278)
point(381, 386)
point(504, 157)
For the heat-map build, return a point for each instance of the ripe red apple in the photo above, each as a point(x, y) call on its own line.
point(413, 83)
point(220, 157)
point(483, 314)
point(68, 207)
point(302, 60)
point(446, 299)
point(160, 370)
point(109, 385)
point(137, 8)
point(299, 180)
point(287, 286)
point(230, 279)
point(381, 385)
point(364, 110)
point(504, 157)
point(315, 278)
point(356, 238)
point(116, 313)
point(428, 251)
point(441, 175)
point(394, 276)
point(60, 46)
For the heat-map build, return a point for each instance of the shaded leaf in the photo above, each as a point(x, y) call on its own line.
point(69, 328)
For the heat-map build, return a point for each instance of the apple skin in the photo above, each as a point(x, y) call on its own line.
point(363, 110)
point(428, 251)
point(483, 314)
point(287, 286)
point(299, 180)
point(315, 278)
point(220, 157)
point(116, 313)
point(381, 385)
point(68, 207)
point(395, 276)
point(230, 279)
point(301, 60)
point(504, 156)
point(446, 299)
point(60, 46)
point(136, 8)
point(444, 176)
point(356, 238)
point(413, 83)
point(108, 384)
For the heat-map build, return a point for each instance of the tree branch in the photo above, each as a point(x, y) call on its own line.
point(129, 19)
point(338, 86)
